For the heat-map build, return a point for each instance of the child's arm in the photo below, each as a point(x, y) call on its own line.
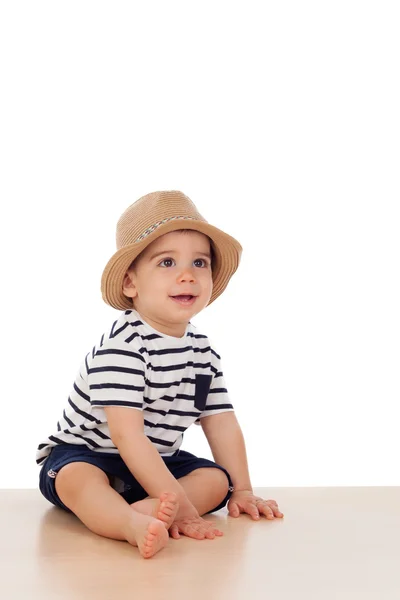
point(226, 441)
point(139, 454)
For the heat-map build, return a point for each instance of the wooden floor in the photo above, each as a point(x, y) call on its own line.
point(334, 543)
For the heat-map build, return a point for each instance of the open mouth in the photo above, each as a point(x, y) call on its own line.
point(185, 299)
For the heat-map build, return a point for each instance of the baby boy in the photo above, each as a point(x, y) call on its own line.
point(115, 459)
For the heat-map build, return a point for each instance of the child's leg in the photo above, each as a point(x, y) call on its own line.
point(85, 489)
point(206, 488)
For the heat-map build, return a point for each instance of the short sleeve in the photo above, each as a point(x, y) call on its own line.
point(218, 400)
point(116, 375)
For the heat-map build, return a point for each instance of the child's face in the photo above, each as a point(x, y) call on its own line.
point(176, 263)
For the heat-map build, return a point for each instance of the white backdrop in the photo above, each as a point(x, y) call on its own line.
point(281, 121)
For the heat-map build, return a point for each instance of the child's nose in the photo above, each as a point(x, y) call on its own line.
point(187, 275)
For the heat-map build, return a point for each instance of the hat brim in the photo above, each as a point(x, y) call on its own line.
point(227, 253)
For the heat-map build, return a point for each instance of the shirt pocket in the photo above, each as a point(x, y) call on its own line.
point(203, 383)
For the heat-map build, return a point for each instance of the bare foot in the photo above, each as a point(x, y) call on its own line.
point(148, 534)
point(164, 509)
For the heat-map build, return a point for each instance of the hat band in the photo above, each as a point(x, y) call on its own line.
point(156, 225)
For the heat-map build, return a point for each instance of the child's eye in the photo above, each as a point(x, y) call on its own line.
point(200, 260)
point(166, 260)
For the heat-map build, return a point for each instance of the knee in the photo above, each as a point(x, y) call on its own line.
point(217, 481)
point(74, 476)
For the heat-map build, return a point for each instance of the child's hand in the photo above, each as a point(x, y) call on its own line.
point(245, 502)
point(194, 527)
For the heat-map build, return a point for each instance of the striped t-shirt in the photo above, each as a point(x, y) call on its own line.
point(174, 381)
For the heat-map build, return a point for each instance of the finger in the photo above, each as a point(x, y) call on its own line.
point(215, 530)
point(252, 510)
point(234, 510)
point(275, 508)
point(213, 533)
point(192, 531)
point(174, 532)
point(210, 535)
point(266, 510)
point(208, 529)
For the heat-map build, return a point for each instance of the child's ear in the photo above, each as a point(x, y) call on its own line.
point(128, 285)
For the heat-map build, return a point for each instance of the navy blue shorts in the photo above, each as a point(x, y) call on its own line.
point(121, 479)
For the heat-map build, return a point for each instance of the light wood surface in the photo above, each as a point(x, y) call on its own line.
point(334, 543)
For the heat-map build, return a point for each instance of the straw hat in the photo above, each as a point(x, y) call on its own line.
point(149, 218)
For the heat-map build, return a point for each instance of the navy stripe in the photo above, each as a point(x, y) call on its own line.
point(155, 385)
point(190, 363)
point(218, 391)
point(132, 337)
point(121, 352)
point(164, 426)
point(116, 386)
point(196, 335)
point(148, 400)
point(169, 384)
point(83, 413)
point(53, 438)
point(96, 431)
point(70, 423)
point(183, 413)
point(171, 351)
point(78, 391)
point(166, 398)
point(116, 370)
point(160, 442)
point(112, 329)
point(82, 437)
point(152, 384)
point(124, 326)
point(153, 410)
point(116, 403)
point(217, 407)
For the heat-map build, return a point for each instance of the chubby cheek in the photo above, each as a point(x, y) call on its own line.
point(207, 287)
point(158, 288)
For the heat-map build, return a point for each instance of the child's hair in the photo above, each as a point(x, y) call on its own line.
point(131, 266)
